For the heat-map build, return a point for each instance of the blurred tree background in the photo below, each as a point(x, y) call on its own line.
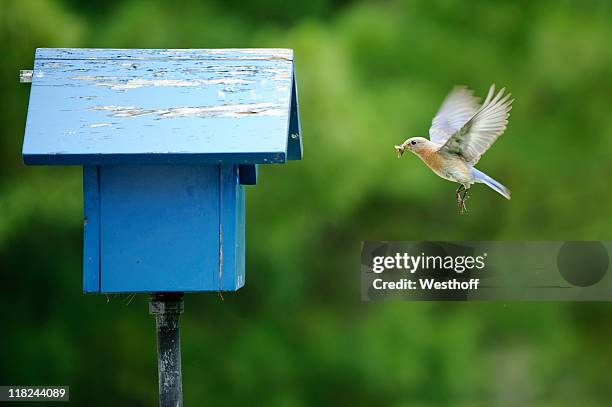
point(370, 74)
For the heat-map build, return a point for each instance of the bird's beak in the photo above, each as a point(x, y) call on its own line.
point(400, 151)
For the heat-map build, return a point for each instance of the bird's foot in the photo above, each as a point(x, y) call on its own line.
point(462, 208)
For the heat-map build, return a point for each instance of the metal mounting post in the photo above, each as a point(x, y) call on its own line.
point(167, 309)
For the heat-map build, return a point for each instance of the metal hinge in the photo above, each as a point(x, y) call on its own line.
point(25, 75)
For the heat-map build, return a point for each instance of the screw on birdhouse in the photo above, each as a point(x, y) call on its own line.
point(167, 307)
point(25, 75)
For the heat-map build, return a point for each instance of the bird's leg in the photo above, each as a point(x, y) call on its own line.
point(458, 194)
point(462, 207)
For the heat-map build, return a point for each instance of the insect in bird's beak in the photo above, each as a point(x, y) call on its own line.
point(400, 151)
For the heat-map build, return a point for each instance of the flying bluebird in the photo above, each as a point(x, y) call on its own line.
point(461, 132)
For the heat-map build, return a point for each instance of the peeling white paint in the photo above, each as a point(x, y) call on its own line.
point(234, 110)
point(139, 83)
point(119, 83)
point(278, 74)
point(252, 53)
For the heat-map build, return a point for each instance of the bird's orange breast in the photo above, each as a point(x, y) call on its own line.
point(432, 159)
point(450, 168)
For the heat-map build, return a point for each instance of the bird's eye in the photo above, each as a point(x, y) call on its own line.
point(413, 142)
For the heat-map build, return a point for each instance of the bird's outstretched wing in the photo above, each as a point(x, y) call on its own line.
point(458, 107)
point(482, 129)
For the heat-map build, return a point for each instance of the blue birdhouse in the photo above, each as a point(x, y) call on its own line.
point(168, 139)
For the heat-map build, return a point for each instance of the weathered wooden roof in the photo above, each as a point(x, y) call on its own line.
point(169, 106)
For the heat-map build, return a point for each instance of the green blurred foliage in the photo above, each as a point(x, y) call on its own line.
point(370, 74)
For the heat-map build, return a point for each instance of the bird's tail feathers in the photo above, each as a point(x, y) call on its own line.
point(480, 176)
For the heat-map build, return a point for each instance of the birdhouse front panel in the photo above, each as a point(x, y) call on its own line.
point(163, 228)
point(167, 139)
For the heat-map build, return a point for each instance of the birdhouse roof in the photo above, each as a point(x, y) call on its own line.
point(166, 106)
